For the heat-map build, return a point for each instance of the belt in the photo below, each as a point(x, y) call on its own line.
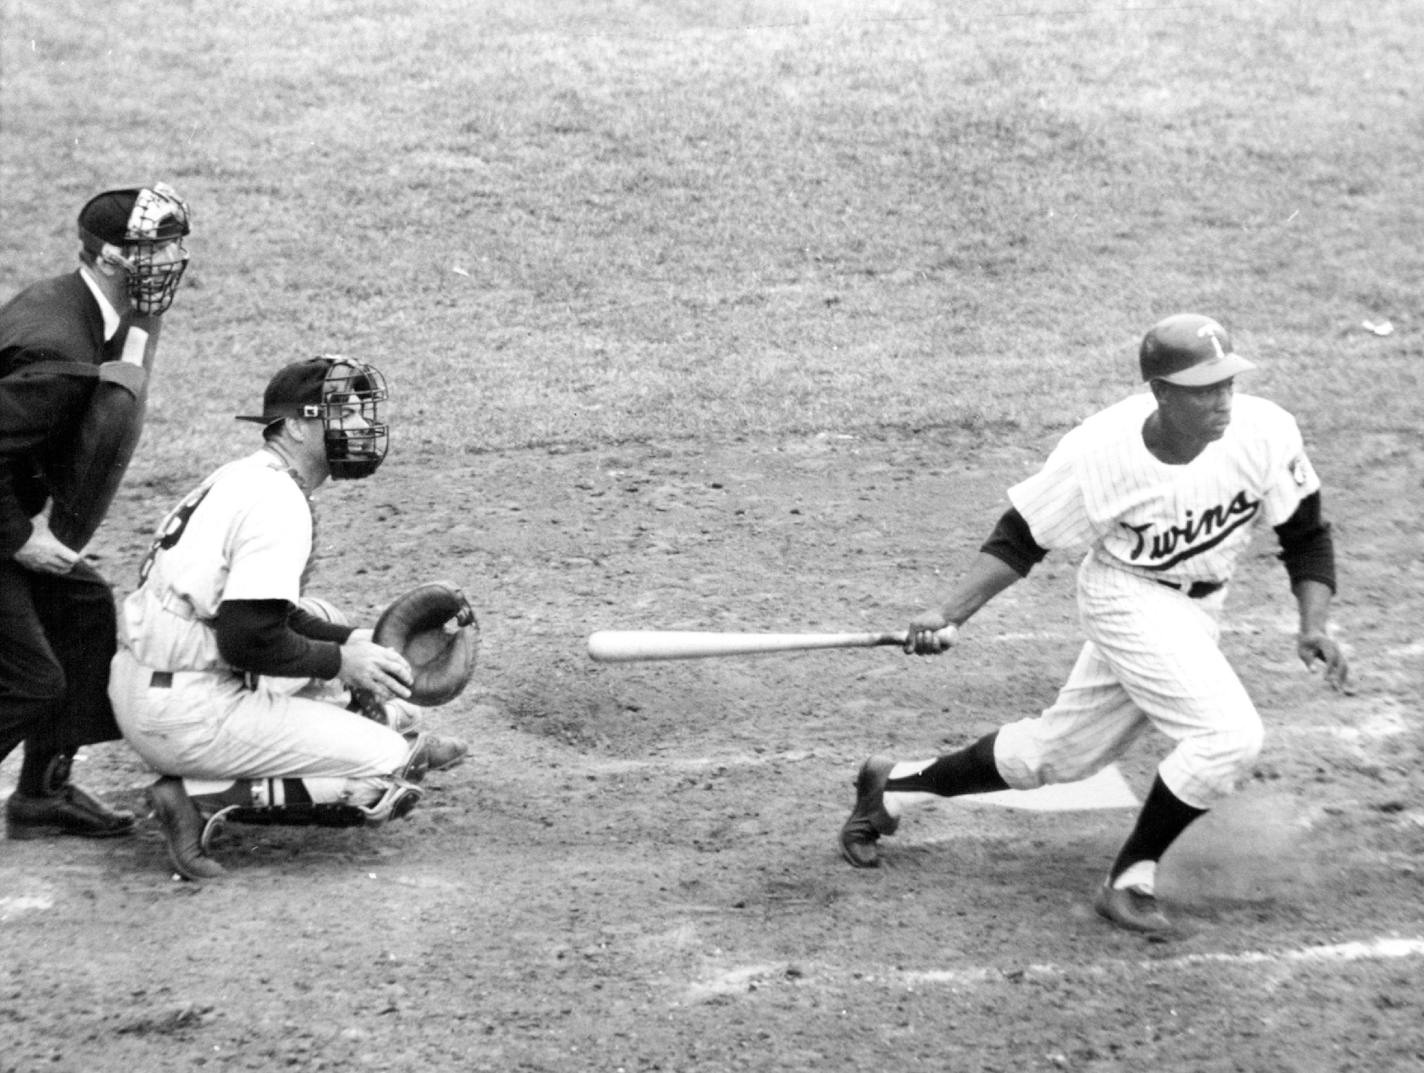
point(161, 680)
point(1195, 589)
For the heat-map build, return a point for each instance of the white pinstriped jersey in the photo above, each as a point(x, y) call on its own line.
point(1102, 488)
point(245, 533)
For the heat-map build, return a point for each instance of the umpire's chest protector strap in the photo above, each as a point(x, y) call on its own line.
point(127, 375)
point(79, 369)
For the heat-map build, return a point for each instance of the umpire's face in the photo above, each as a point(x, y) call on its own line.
point(1195, 414)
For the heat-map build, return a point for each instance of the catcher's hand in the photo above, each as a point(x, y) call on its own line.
point(373, 669)
point(434, 628)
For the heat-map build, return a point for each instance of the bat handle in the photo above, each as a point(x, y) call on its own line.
point(946, 637)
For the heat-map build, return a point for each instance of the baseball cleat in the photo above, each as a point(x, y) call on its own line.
point(869, 818)
point(1133, 909)
point(433, 752)
point(182, 826)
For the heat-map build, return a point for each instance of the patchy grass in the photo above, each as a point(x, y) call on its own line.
point(613, 221)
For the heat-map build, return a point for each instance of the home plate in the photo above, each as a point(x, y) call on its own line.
point(1106, 789)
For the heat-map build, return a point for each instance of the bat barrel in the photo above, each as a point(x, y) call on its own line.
point(620, 646)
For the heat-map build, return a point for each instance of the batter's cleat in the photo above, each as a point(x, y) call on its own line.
point(67, 811)
point(1133, 909)
point(182, 826)
point(433, 752)
point(869, 819)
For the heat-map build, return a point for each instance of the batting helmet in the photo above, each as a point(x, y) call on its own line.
point(1191, 350)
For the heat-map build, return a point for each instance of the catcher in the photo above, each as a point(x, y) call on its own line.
point(255, 703)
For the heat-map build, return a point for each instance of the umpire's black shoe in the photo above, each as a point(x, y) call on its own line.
point(67, 811)
point(869, 819)
point(1133, 909)
point(182, 828)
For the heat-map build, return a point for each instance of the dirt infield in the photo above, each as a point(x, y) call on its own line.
point(636, 868)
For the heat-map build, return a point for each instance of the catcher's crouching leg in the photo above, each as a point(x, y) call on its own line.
point(428, 751)
point(395, 803)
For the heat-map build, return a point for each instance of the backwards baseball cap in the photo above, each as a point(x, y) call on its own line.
point(296, 391)
point(1191, 350)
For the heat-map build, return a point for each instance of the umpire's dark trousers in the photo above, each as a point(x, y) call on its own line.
point(57, 637)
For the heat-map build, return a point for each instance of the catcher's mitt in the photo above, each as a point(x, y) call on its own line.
point(434, 628)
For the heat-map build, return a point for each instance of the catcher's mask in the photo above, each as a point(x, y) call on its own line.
point(141, 231)
point(346, 395)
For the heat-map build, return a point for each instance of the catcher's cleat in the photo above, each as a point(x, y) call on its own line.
point(869, 819)
point(433, 752)
point(395, 804)
point(183, 830)
point(1133, 909)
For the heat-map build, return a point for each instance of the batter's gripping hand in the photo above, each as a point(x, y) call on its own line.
point(929, 634)
point(434, 628)
point(1320, 648)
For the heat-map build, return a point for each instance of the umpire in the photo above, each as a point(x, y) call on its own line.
point(57, 620)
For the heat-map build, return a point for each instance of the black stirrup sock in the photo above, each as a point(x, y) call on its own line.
point(969, 771)
point(1164, 816)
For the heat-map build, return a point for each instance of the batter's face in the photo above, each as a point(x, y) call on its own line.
point(1194, 415)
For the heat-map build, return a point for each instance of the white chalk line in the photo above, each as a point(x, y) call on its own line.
point(1383, 948)
point(23, 903)
point(744, 977)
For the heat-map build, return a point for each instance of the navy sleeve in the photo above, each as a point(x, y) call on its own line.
point(1012, 542)
point(254, 636)
point(1307, 546)
point(36, 411)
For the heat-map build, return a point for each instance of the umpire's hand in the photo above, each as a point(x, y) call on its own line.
point(43, 553)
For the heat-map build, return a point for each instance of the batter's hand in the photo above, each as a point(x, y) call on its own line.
point(1320, 648)
point(375, 668)
point(923, 636)
point(43, 553)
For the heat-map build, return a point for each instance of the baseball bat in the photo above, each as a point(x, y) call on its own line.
point(624, 646)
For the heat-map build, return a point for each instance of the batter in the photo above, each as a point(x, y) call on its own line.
point(1165, 491)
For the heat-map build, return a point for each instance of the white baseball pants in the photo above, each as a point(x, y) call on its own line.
point(209, 725)
point(1151, 659)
